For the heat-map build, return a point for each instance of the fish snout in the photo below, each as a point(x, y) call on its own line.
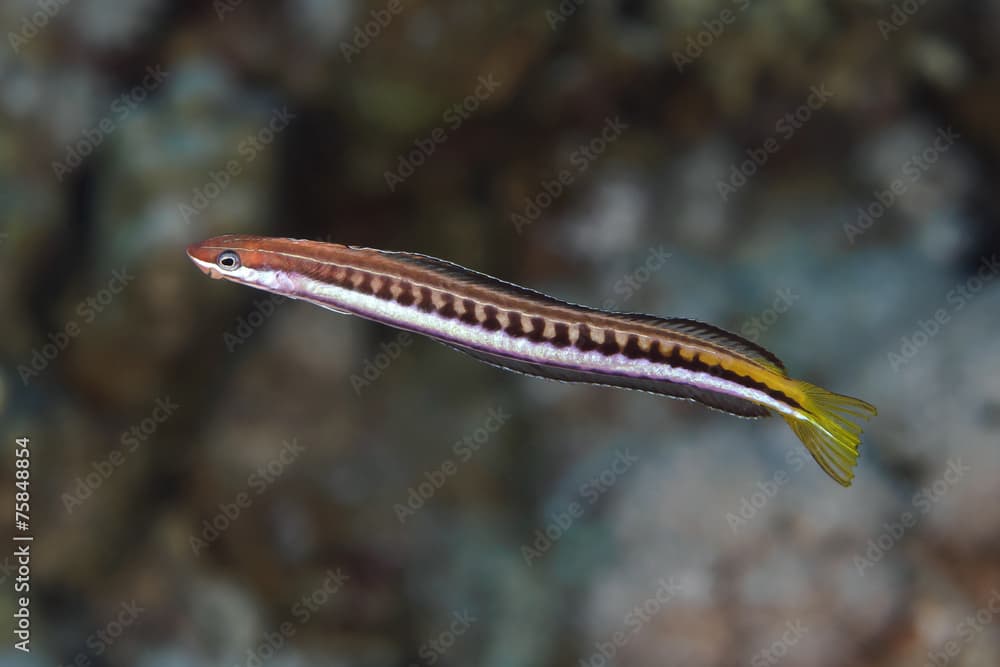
point(204, 259)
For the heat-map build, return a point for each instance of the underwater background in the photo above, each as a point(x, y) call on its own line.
point(220, 477)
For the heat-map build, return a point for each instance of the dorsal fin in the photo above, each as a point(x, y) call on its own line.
point(705, 332)
point(712, 334)
point(470, 277)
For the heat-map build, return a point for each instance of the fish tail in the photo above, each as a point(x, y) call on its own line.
point(829, 430)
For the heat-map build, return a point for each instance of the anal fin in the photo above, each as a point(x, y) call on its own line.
point(729, 404)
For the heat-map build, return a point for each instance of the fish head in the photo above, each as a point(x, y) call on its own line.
point(243, 259)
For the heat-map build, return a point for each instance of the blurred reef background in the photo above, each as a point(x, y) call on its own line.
point(220, 478)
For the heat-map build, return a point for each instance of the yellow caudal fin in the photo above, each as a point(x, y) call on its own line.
point(829, 429)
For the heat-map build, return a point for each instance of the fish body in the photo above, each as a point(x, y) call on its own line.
point(526, 331)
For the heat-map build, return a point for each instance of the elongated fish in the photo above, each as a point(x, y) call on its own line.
point(526, 331)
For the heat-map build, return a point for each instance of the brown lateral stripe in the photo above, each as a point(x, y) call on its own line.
point(447, 309)
point(385, 291)
point(657, 355)
point(515, 327)
point(345, 279)
point(610, 345)
point(632, 349)
point(491, 322)
point(469, 313)
point(406, 296)
point(421, 295)
point(426, 304)
point(561, 336)
point(584, 341)
point(537, 330)
point(389, 280)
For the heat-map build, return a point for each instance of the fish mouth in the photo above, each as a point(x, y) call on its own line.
point(204, 259)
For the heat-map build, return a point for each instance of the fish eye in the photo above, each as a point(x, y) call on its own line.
point(228, 261)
